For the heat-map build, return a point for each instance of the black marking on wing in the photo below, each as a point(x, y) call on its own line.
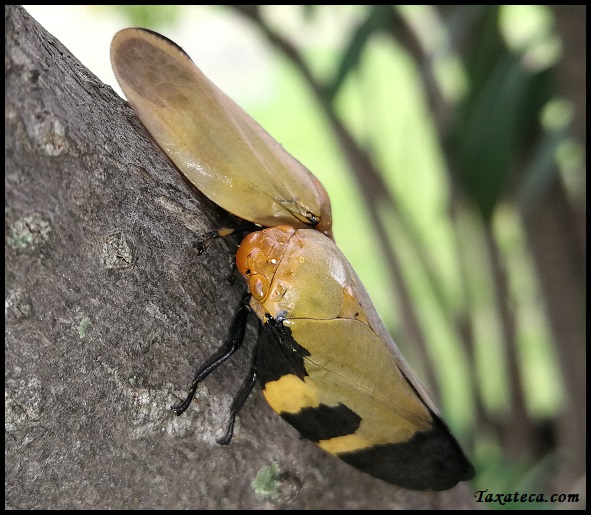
point(278, 353)
point(170, 42)
point(430, 460)
point(324, 422)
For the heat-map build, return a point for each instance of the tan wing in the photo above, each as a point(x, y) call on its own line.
point(349, 365)
point(214, 143)
point(339, 386)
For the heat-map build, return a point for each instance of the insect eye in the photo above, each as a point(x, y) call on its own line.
point(259, 286)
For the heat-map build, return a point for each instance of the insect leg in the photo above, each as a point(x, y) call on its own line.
point(238, 402)
point(205, 240)
point(237, 330)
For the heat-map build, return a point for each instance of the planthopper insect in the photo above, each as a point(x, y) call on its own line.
point(324, 360)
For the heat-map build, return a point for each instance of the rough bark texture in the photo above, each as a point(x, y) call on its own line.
point(109, 309)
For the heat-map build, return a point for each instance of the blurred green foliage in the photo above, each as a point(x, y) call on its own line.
point(156, 17)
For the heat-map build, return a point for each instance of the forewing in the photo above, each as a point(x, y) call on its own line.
point(339, 386)
point(214, 143)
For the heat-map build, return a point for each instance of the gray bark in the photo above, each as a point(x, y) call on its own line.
point(108, 311)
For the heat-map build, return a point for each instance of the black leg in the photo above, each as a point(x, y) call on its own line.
point(238, 402)
point(243, 393)
point(237, 331)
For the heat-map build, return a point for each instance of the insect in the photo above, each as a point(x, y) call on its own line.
point(324, 359)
